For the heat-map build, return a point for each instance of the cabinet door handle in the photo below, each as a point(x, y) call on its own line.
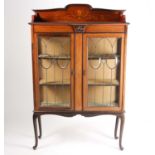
point(72, 72)
point(83, 72)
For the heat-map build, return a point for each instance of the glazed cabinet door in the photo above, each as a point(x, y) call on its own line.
point(54, 80)
point(103, 72)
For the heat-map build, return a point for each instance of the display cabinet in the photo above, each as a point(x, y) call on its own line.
point(78, 56)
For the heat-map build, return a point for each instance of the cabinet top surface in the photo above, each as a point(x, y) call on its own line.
point(78, 13)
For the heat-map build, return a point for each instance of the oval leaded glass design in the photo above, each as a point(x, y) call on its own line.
point(103, 71)
point(54, 69)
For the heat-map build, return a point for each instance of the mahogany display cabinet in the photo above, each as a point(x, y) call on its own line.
point(79, 56)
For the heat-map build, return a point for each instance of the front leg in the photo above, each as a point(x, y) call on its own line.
point(35, 130)
point(116, 127)
point(40, 126)
point(122, 118)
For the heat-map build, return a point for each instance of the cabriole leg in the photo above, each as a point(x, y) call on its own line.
point(40, 126)
point(116, 127)
point(35, 131)
point(122, 118)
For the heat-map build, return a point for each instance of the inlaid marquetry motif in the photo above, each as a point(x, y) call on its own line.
point(80, 13)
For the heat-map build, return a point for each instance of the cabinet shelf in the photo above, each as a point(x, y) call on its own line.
point(103, 56)
point(105, 82)
point(54, 104)
point(103, 104)
point(46, 56)
point(90, 83)
point(55, 83)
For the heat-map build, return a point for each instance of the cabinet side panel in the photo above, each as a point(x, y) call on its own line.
point(124, 71)
point(121, 104)
point(34, 67)
point(32, 51)
point(35, 72)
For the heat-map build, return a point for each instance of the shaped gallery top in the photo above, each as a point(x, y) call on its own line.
point(78, 13)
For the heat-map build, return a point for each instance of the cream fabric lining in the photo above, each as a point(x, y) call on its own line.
point(57, 95)
point(101, 95)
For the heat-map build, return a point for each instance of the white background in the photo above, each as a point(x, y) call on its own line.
point(79, 135)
